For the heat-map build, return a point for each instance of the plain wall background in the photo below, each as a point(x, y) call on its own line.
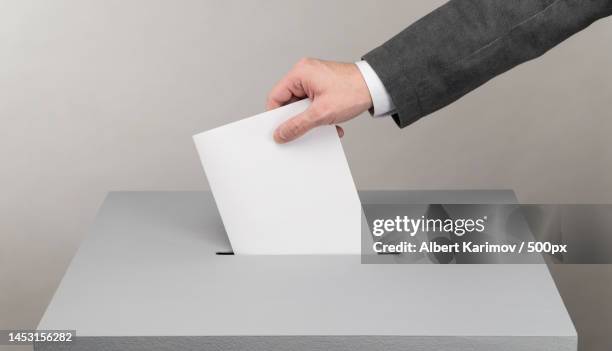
point(104, 95)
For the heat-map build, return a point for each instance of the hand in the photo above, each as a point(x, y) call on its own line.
point(337, 90)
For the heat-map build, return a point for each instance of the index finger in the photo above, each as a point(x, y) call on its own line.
point(287, 89)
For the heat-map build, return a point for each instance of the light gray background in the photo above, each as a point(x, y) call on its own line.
point(105, 95)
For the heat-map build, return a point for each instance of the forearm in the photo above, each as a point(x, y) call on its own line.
point(465, 43)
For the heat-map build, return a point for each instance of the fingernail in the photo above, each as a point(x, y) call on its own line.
point(278, 137)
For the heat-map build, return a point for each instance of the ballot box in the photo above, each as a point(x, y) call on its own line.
point(154, 273)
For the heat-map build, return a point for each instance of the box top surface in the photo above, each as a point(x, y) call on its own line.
point(148, 267)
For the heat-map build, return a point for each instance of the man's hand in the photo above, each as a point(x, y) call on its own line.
point(337, 90)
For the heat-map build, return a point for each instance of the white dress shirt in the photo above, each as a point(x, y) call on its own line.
point(382, 105)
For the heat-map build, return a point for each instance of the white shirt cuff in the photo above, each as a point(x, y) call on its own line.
point(382, 105)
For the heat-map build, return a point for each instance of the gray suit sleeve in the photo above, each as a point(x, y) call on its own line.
point(464, 43)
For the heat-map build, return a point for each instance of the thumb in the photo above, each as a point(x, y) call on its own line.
point(296, 126)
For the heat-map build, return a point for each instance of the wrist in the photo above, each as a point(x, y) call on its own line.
point(363, 97)
point(382, 105)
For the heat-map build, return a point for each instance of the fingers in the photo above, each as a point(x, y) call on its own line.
point(279, 95)
point(295, 127)
point(299, 125)
point(287, 90)
point(340, 131)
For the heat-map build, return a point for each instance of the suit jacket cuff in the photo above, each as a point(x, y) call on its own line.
point(403, 93)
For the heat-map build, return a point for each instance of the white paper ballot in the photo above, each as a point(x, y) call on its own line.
point(295, 198)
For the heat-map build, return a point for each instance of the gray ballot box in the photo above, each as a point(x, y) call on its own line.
point(149, 277)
